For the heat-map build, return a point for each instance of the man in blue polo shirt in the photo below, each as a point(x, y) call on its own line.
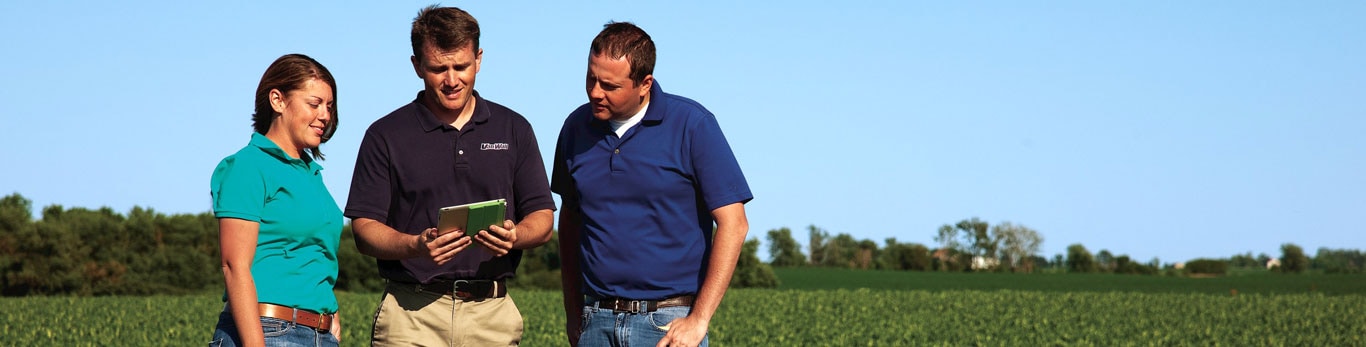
point(448, 147)
point(643, 176)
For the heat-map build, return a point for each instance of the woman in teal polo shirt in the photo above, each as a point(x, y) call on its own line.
point(278, 225)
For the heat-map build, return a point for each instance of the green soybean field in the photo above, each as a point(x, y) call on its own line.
point(961, 310)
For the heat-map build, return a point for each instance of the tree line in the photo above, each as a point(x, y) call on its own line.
point(80, 251)
point(974, 245)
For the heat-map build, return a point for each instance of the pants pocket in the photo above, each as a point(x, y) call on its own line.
point(663, 317)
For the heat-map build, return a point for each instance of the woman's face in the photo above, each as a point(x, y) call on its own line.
point(304, 116)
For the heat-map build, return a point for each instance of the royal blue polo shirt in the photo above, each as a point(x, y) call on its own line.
point(646, 198)
point(410, 165)
point(295, 262)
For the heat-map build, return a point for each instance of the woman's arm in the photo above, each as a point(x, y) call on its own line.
point(237, 243)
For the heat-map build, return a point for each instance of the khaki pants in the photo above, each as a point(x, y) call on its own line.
point(407, 317)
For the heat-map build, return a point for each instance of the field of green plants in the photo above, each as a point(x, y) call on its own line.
point(891, 308)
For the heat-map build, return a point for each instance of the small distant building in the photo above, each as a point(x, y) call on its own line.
point(984, 263)
point(1180, 265)
point(1273, 263)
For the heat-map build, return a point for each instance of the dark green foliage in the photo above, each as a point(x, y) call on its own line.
point(356, 272)
point(1340, 261)
point(842, 250)
point(1293, 259)
point(783, 249)
point(1262, 282)
point(749, 271)
point(100, 252)
point(1079, 259)
point(905, 256)
point(540, 268)
point(1125, 266)
point(1207, 267)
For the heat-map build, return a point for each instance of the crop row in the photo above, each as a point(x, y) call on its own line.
point(751, 317)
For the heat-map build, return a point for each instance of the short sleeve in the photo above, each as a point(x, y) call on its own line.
point(560, 182)
point(238, 190)
point(371, 187)
point(718, 172)
point(530, 186)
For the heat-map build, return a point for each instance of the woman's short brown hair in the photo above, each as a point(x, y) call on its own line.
point(286, 74)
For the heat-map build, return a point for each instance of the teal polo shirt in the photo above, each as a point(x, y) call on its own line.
point(296, 247)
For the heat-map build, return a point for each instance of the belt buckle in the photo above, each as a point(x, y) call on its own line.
point(634, 306)
point(455, 291)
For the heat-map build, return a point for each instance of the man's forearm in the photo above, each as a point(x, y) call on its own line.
point(380, 241)
point(534, 230)
point(731, 230)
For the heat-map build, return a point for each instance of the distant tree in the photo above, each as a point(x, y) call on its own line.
point(16, 225)
point(14, 213)
point(783, 249)
point(749, 271)
point(1018, 244)
point(1079, 259)
point(948, 238)
point(1124, 265)
point(1339, 261)
point(816, 244)
point(1245, 260)
point(905, 256)
point(1105, 261)
point(1057, 262)
point(841, 251)
point(1293, 259)
point(863, 257)
point(980, 241)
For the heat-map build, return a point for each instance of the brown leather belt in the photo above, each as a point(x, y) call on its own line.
point(641, 306)
point(468, 290)
point(320, 322)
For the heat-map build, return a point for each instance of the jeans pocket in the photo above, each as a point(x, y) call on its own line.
point(273, 327)
point(585, 316)
point(216, 342)
point(663, 317)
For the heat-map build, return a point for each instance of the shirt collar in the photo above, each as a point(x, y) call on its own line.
point(656, 112)
point(427, 120)
point(269, 147)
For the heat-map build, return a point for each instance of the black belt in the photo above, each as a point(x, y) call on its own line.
point(641, 306)
point(462, 289)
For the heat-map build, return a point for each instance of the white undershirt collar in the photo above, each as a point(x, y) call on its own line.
point(620, 127)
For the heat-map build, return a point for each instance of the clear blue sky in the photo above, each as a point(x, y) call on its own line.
point(1157, 129)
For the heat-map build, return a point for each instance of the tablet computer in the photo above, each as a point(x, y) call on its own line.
point(471, 217)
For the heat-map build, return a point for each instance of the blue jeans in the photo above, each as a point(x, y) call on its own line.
point(604, 327)
point(279, 333)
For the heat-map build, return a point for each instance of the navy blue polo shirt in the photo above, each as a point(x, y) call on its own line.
point(410, 165)
point(646, 198)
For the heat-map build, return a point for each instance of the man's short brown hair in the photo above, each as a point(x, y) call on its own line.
point(446, 28)
point(623, 39)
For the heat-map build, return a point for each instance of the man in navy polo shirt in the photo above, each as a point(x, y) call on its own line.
point(643, 175)
point(448, 147)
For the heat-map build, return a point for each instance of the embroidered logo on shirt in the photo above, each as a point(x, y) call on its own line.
point(493, 146)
